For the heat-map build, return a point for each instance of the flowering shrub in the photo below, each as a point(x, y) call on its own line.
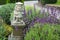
point(43, 32)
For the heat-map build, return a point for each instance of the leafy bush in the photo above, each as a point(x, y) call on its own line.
point(5, 11)
point(2, 30)
point(5, 30)
point(8, 29)
point(43, 32)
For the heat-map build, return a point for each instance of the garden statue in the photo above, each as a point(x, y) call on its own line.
point(17, 18)
point(17, 22)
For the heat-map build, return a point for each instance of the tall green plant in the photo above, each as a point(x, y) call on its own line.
point(43, 32)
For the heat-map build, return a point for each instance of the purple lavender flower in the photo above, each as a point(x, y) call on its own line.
point(32, 23)
point(24, 12)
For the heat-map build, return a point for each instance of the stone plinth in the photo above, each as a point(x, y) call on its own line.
point(18, 32)
point(16, 35)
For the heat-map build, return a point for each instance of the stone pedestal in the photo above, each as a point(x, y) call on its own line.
point(16, 35)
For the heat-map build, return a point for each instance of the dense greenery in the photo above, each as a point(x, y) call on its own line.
point(9, 1)
point(2, 2)
point(43, 32)
point(42, 1)
point(58, 2)
point(48, 1)
point(5, 30)
point(13, 1)
point(37, 31)
point(5, 11)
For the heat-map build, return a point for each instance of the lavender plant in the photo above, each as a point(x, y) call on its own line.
point(33, 16)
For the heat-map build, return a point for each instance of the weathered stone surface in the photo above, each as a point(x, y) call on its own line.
point(18, 32)
point(11, 37)
point(17, 18)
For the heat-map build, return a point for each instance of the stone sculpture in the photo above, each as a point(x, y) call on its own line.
point(17, 22)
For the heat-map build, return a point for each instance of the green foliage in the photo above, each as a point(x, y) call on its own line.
point(8, 29)
point(48, 1)
point(2, 2)
point(58, 2)
point(10, 1)
point(5, 30)
point(2, 30)
point(7, 1)
point(13, 1)
point(5, 11)
point(43, 32)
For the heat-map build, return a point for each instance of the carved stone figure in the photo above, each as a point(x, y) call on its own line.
point(17, 22)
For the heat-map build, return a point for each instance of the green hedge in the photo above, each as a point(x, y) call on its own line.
point(2, 2)
point(9, 1)
point(48, 1)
